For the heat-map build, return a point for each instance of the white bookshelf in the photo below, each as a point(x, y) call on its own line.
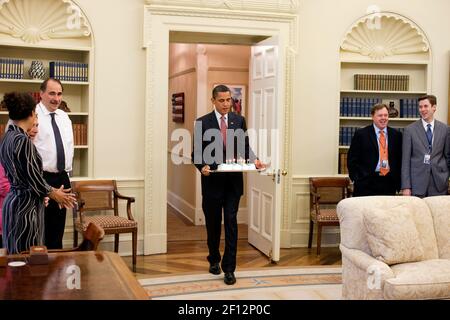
point(61, 43)
point(377, 54)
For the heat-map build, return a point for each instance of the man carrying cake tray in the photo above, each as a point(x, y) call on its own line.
point(220, 136)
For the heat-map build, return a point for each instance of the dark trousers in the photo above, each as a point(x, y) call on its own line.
point(55, 218)
point(212, 208)
point(375, 185)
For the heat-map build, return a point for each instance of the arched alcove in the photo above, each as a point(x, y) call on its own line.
point(382, 35)
point(384, 58)
point(33, 22)
point(57, 33)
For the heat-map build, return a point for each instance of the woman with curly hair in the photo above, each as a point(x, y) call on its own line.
point(23, 208)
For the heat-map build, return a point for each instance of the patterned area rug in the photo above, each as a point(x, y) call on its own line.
point(310, 283)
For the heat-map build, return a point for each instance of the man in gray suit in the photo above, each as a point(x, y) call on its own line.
point(426, 153)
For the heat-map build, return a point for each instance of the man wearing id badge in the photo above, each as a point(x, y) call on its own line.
point(426, 153)
point(374, 157)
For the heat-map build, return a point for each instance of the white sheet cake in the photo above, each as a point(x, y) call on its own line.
point(236, 167)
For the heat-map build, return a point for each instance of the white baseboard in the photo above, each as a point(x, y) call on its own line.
point(183, 207)
point(299, 238)
point(242, 216)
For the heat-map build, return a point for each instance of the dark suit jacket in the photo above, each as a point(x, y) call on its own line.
point(217, 184)
point(363, 155)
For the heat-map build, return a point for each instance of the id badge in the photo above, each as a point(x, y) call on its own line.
point(384, 164)
point(426, 159)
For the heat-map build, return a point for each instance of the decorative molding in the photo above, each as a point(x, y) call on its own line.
point(183, 207)
point(287, 165)
point(157, 25)
point(36, 20)
point(228, 69)
point(299, 179)
point(149, 236)
point(384, 34)
point(182, 72)
point(287, 6)
point(200, 12)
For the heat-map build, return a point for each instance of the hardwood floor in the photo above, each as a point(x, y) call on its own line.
point(187, 251)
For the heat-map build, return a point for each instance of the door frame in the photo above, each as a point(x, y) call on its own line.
point(158, 22)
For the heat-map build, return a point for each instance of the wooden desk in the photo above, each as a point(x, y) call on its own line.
point(103, 276)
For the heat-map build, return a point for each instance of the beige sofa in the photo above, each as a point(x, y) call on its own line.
point(395, 247)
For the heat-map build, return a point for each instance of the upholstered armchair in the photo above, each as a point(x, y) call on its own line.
point(395, 247)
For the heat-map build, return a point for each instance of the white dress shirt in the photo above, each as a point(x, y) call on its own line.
point(45, 139)
point(219, 116)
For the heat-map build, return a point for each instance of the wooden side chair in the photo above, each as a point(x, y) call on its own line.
point(98, 198)
point(325, 193)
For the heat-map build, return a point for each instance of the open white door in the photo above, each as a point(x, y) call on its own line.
point(264, 189)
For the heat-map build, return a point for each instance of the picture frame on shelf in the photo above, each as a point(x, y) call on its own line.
point(178, 107)
point(238, 97)
point(394, 107)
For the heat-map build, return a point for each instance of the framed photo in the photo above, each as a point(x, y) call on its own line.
point(238, 96)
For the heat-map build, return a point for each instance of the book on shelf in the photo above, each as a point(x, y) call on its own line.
point(357, 106)
point(343, 163)
point(2, 129)
point(409, 108)
point(11, 68)
point(79, 134)
point(346, 135)
point(381, 82)
point(361, 106)
point(69, 71)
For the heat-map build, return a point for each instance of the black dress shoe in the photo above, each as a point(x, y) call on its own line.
point(229, 278)
point(214, 268)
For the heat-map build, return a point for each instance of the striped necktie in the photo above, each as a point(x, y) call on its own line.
point(223, 130)
point(384, 169)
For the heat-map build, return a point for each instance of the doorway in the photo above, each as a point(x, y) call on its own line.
point(160, 22)
point(194, 69)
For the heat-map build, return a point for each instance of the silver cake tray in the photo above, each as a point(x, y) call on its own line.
point(219, 169)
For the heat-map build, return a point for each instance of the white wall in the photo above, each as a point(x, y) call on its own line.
point(181, 191)
point(119, 87)
point(119, 93)
point(322, 26)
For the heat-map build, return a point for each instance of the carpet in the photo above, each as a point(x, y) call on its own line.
point(305, 283)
